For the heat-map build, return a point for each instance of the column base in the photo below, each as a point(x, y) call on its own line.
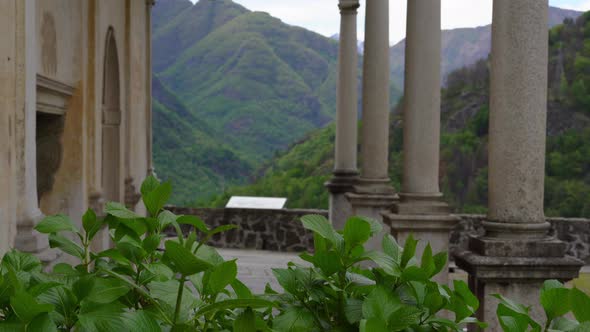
point(427, 218)
point(514, 272)
point(27, 238)
point(340, 208)
point(372, 205)
point(427, 204)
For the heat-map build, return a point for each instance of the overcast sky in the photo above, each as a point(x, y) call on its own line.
point(322, 15)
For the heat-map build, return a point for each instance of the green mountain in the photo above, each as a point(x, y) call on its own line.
point(257, 84)
point(299, 173)
point(188, 153)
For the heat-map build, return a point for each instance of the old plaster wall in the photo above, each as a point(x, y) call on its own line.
point(9, 103)
point(60, 27)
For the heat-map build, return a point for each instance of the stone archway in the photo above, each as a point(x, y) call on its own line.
point(111, 123)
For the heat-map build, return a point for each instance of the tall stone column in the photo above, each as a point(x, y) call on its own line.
point(421, 210)
point(149, 6)
point(374, 192)
point(516, 254)
point(28, 212)
point(345, 159)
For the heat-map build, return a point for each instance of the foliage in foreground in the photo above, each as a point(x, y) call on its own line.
point(557, 302)
point(148, 283)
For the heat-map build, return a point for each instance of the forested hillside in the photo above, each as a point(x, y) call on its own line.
point(299, 173)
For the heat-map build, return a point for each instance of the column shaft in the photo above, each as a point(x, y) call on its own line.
point(518, 115)
point(347, 102)
point(375, 127)
point(516, 254)
point(422, 97)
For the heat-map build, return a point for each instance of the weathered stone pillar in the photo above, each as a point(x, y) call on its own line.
point(28, 212)
point(421, 210)
point(374, 192)
point(11, 99)
point(149, 6)
point(345, 160)
point(516, 254)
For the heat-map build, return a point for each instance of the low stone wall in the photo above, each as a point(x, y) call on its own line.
point(275, 230)
point(281, 230)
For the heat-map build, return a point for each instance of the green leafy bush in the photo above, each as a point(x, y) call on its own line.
point(339, 292)
point(133, 286)
point(557, 302)
point(146, 282)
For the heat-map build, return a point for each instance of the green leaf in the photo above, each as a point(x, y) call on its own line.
point(20, 261)
point(222, 229)
point(42, 323)
point(107, 290)
point(380, 304)
point(66, 245)
point(384, 261)
point(165, 219)
point(221, 276)
point(155, 200)
point(583, 327)
point(91, 223)
point(99, 318)
point(465, 293)
point(555, 299)
point(194, 221)
point(510, 320)
point(328, 262)
point(373, 325)
point(440, 262)
point(183, 260)
point(321, 225)
point(148, 185)
point(404, 317)
point(391, 248)
point(54, 224)
point(580, 303)
point(245, 322)
point(414, 273)
point(242, 291)
point(563, 324)
point(287, 279)
point(427, 261)
point(151, 243)
point(62, 299)
point(353, 310)
point(26, 307)
point(409, 250)
point(140, 321)
point(83, 286)
point(131, 249)
point(294, 319)
point(356, 231)
point(120, 211)
point(233, 304)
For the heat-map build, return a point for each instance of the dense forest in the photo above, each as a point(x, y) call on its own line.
point(299, 173)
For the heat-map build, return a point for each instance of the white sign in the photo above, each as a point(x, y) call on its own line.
point(243, 202)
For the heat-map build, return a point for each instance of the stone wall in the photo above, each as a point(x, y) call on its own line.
point(275, 230)
point(281, 230)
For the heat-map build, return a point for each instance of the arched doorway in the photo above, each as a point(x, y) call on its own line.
point(111, 123)
point(111, 133)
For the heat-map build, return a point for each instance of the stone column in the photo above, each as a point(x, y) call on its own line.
point(345, 160)
point(516, 254)
point(28, 212)
point(149, 6)
point(421, 210)
point(374, 193)
point(10, 101)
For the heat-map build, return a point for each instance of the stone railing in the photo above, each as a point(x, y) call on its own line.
point(281, 230)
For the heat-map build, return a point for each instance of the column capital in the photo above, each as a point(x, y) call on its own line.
point(348, 6)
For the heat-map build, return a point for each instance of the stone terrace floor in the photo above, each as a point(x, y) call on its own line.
point(254, 268)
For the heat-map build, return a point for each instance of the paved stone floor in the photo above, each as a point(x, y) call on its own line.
point(254, 268)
